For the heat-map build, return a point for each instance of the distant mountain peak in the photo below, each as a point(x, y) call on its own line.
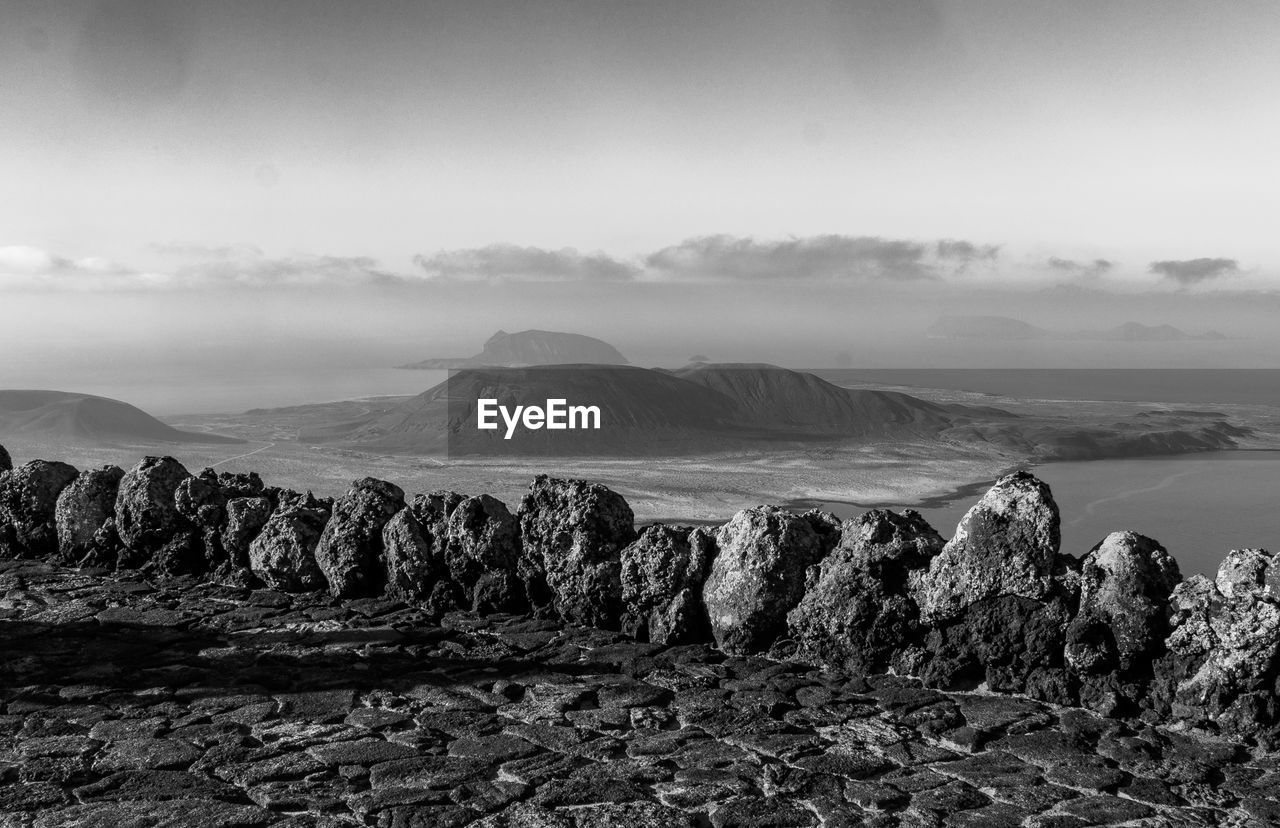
point(534, 347)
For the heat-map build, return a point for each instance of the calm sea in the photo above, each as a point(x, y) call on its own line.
point(1199, 506)
point(233, 389)
point(1200, 386)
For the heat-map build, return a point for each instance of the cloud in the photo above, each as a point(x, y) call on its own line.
point(25, 259)
point(1090, 269)
point(27, 266)
point(814, 258)
point(33, 268)
point(294, 271)
point(966, 252)
point(508, 262)
point(1194, 271)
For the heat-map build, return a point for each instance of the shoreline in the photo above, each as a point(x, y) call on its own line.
point(949, 496)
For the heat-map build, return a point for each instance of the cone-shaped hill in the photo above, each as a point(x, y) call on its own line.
point(86, 418)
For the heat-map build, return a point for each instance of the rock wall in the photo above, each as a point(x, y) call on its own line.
point(999, 606)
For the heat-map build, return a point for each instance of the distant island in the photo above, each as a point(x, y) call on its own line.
point(706, 408)
point(1004, 328)
point(532, 347)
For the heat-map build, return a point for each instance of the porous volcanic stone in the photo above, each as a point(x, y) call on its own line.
point(1221, 665)
point(152, 530)
point(996, 601)
point(246, 516)
point(663, 572)
point(1006, 545)
point(83, 509)
point(482, 551)
point(1013, 644)
point(414, 541)
point(28, 508)
point(283, 554)
point(1125, 583)
point(758, 576)
point(859, 612)
point(573, 533)
point(202, 501)
point(350, 550)
point(241, 484)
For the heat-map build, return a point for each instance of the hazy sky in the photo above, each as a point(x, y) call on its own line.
point(1131, 131)
point(632, 169)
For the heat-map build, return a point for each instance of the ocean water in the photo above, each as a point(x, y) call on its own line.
point(229, 389)
point(1198, 386)
point(1199, 506)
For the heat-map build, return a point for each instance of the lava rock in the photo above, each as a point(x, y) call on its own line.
point(859, 613)
point(350, 550)
point(414, 541)
point(1010, 643)
point(202, 501)
point(6, 462)
point(1222, 659)
point(28, 508)
point(758, 576)
point(573, 533)
point(1246, 572)
point(246, 517)
point(153, 532)
point(1125, 584)
point(996, 601)
point(283, 554)
point(241, 484)
point(83, 510)
point(827, 526)
point(1006, 545)
point(663, 572)
point(482, 552)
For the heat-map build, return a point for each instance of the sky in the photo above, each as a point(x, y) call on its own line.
point(151, 148)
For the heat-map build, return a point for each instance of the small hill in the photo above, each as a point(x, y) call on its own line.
point(1138, 332)
point(984, 327)
point(84, 417)
point(533, 347)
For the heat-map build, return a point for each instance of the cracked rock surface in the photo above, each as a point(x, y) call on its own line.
point(139, 702)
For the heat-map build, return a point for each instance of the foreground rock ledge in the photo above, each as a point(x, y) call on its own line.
point(128, 701)
point(999, 607)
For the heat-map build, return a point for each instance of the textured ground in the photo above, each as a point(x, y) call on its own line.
point(131, 703)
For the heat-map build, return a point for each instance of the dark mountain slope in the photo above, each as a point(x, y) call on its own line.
point(694, 410)
point(778, 398)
